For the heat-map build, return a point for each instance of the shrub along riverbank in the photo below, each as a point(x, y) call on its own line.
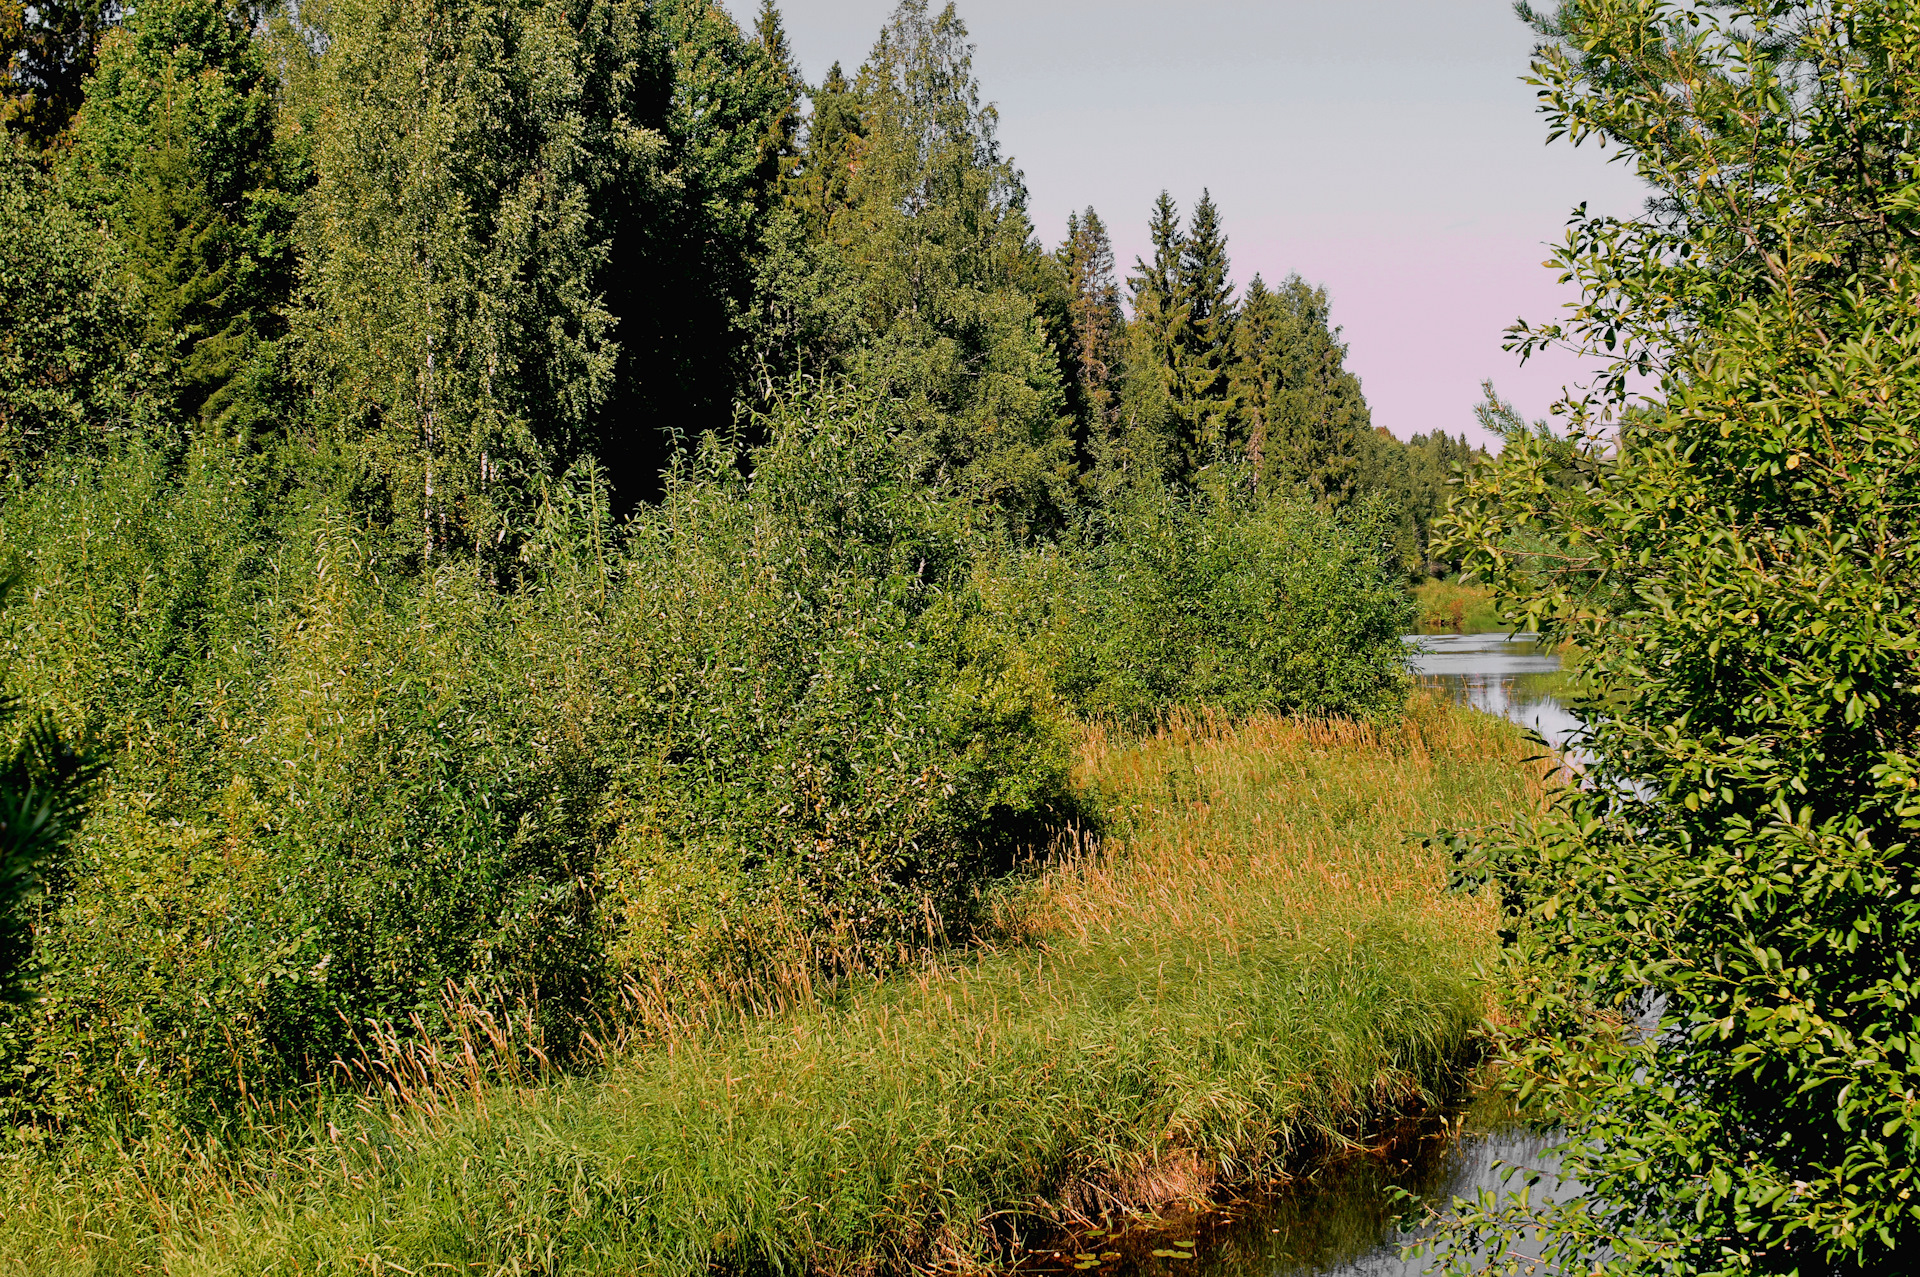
point(797, 719)
point(1454, 607)
point(1255, 963)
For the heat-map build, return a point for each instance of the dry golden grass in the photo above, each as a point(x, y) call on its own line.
point(1220, 827)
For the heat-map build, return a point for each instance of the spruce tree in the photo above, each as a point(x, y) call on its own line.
point(1304, 419)
point(1179, 392)
point(1096, 324)
point(1204, 348)
point(1154, 340)
point(684, 251)
point(780, 139)
point(175, 152)
point(1255, 390)
point(1435, 462)
point(822, 183)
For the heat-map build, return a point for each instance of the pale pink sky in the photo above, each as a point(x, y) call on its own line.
point(1384, 148)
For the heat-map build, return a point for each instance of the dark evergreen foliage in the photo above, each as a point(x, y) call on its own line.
point(1096, 334)
point(1303, 414)
point(47, 51)
point(1204, 346)
point(176, 152)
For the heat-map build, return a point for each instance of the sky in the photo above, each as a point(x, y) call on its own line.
point(1386, 149)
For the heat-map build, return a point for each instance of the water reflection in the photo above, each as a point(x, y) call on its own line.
point(1505, 674)
point(1341, 1221)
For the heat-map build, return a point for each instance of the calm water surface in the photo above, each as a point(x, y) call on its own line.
point(1505, 674)
point(1341, 1222)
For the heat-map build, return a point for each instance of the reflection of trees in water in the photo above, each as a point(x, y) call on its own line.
point(1535, 701)
point(1511, 677)
point(1342, 1221)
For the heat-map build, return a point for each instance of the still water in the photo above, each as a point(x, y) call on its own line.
point(1341, 1221)
point(1505, 674)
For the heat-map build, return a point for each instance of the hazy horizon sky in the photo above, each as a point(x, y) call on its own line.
point(1387, 149)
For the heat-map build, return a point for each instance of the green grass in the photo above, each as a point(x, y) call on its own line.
point(1257, 963)
point(1449, 607)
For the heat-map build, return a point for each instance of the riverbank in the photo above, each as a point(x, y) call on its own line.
point(1260, 961)
point(1452, 607)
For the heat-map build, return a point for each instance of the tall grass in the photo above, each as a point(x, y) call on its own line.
point(1453, 607)
point(1256, 963)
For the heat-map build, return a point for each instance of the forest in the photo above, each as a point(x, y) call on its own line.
point(444, 493)
point(609, 665)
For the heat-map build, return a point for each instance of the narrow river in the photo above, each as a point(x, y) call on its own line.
point(1340, 1222)
point(1502, 674)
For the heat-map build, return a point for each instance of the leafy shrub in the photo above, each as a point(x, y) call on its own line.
point(1246, 604)
point(71, 369)
point(44, 783)
point(811, 728)
point(753, 729)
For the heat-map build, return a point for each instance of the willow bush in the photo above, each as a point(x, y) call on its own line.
point(1223, 597)
point(759, 718)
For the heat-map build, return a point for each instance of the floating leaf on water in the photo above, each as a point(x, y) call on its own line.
point(1165, 1254)
point(1092, 1263)
point(1086, 1256)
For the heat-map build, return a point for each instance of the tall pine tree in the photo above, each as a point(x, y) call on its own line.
point(1096, 328)
point(780, 138)
point(684, 250)
point(1154, 340)
point(821, 187)
point(1181, 341)
point(1205, 346)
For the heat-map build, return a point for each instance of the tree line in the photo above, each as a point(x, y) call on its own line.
point(473, 243)
point(531, 499)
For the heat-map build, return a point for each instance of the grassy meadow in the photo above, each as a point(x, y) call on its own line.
point(1256, 961)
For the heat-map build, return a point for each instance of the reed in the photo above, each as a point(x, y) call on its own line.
point(1258, 962)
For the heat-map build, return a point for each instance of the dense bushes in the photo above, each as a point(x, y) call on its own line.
point(796, 713)
point(1247, 604)
point(813, 727)
point(70, 366)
